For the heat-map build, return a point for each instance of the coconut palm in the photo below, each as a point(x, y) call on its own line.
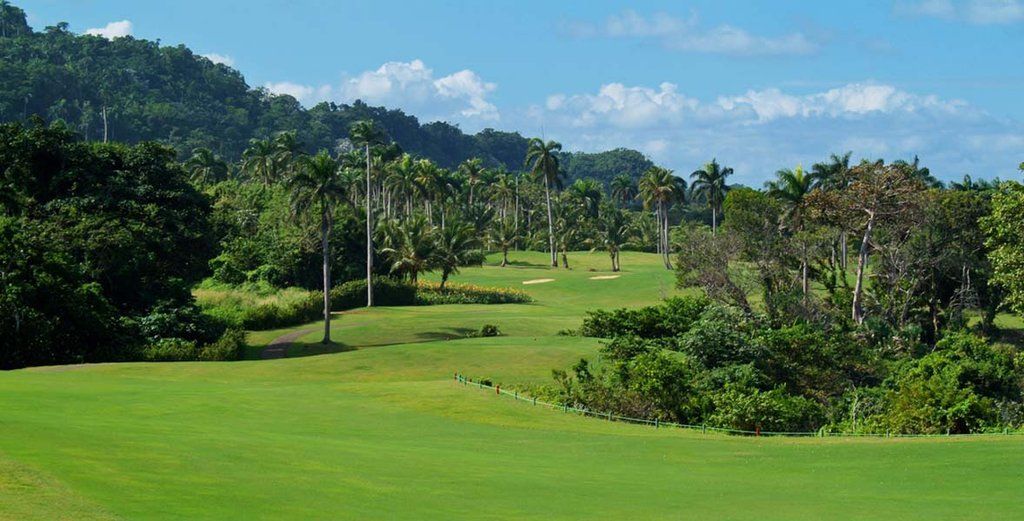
point(402, 180)
point(411, 246)
point(613, 233)
point(502, 191)
point(455, 245)
point(830, 176)
point(472, 170)
point(791, 187)
point(261, 162)
point(205, 167)
point(365, 134)
point(623, 189)
point(659, 187)
point(542, 159)
point(316, 185)
point(587, 195)
point(709, 183)
point(502, 235)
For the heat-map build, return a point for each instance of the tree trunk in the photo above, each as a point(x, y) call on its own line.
point(515, 243)
point(325, 231)
point(862, 261)
point(444, 278)
point(504, 256)
point(369, 234)
point(714, 220)
point(565, 260)
point(104, 112)
point(551, 225)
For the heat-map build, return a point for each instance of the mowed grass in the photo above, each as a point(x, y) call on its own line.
point(383, 432)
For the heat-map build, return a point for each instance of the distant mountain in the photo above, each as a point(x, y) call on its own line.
point(136, 90)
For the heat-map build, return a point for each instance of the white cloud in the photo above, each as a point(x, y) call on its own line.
point(762, 130)
point(411, 86)
point(220, 58)
point(686, 34)
point(112, 30)
point(304, 93)
point(980, 12)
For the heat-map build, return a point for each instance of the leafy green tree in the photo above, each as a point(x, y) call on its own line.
point(262, 162)
point(542, 159)
point(613, 233)
point(791, 187)
point(1005, 240)
point(623, 189)
point(316, 186)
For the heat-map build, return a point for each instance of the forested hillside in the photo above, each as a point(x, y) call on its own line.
point(133, 90)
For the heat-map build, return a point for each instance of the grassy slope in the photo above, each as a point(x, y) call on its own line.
point(383, 433)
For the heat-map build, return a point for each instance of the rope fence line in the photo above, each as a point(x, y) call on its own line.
point(468, 382)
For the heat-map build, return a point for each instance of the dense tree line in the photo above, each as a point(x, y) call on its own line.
point(134, 90)
point(852, 298)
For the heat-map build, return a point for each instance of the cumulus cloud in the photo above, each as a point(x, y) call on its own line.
point(760, 131)
point(112, 30)
point(412, 86)
point(304, 93)
point(686, 35)
point(222, 59)
point(980, 12)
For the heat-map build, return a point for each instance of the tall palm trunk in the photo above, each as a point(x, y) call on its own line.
point(862, 261)
point(551, 225)
point(325, 232)
point(369, 234)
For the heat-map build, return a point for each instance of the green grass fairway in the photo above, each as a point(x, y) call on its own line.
point(381, 431)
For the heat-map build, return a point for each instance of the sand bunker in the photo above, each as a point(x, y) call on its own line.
point(538, 281)
point(605, 277)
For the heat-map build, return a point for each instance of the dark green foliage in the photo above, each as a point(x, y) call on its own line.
point(671, 318)
point(728, 369)
point(386, 292)
point(604, 166)
point(431, 294)
point(101, 244)
point(231, 346)
point(170, 350)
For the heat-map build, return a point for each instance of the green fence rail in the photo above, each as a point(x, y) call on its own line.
point(469, 383)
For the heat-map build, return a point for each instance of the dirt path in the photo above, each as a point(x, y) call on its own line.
point(278, 347)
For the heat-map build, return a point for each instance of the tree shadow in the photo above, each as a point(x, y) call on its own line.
point(450, 333)
point(300, 349)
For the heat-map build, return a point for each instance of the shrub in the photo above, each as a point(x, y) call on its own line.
point(386, 292)
point(170, 350)
point(430, 293)
point(230, 346)
point(752, 409)
point(673, 317)
point(489, 330)
point(275, 315)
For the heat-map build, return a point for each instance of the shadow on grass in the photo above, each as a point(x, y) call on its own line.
point(450, 333)
point(520, 264)
point(299, 349)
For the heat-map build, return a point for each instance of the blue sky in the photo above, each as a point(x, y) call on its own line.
point(759, 85)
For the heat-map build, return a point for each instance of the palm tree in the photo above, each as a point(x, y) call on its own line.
point(472, 169)
point(288, 149)
point(659, 187)
point(412, 246)
point(623, 189)
point(835, 175)
point(260, 161)
point(502, 191)
point(587, 193)
point(710, 184)
point(402, 179)
point(205, 167)
point(791, 187)
point(503, 236)
point(316, 183)
point(545, 168)
point(454, 246)
point(364, 133)
point(613, 233)
point(428, 178)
